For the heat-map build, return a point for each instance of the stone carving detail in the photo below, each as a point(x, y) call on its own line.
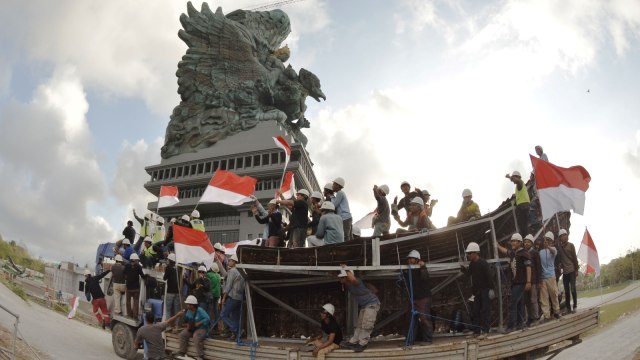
point(233, 76)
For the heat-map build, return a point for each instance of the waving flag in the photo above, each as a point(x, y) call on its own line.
point(228, 188)
point(168, 196)
point(75, 301)
point(288, 187)
point(192, 246)
point(366, 221)
point(284, 145)
point(588, 254)
point(560, 189)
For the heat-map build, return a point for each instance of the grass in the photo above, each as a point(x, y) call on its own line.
point(612, 312)
point(15, 288)
point(603, 291)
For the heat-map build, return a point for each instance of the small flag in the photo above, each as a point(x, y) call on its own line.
point(366, 221)
point(588, 254)
point(288, 187)
point(75, 301)
point(168, 196)
point(284, 145)
point(560, 189)
point(192, 246)
point(228, 188)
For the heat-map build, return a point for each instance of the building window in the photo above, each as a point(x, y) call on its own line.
point(173, 173)
point(239, 163)
point(275, 158)
point(215, 165)
point(180, 171)
point(207, 167)
point(250, 236)
point(256, 160)
point(232, 164)
point(295, 155)
point(223, 219)
point(265, 159)
point(193, 170)
point(223, 165)
point(247, 161)
point(283, 157)
point(200, 168)
point(224, 236)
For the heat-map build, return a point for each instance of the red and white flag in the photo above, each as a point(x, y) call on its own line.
point(75, 301)
point(288, 187)
point(366, 221)
point(192, 246)
point(284, 145)
point(560, 189)
point(168, 196)
point(228, 188)
point(588, 254)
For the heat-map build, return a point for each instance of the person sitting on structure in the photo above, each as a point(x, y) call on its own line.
point(382, 219)
point(273, 220)
point(428, 202)
point(330, 229)
point(521, 202)
point(368, 304)
point(150, 253)
point(469, 210)
point(196, 223)
point(417, 219)
point(201, 287)
point(197, 324)
point(481, 288)
point(520, 265)
point(232, 300)
point(98, 302)
point(418, 285)
point(299, 217)
point(329, 326)
point(314, 208)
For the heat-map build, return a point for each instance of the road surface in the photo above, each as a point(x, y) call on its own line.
point(630, 292)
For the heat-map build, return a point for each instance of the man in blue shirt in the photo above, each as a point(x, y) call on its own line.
point(197, 324)
point(330, 230)
point(341, 203)
point(547, 283)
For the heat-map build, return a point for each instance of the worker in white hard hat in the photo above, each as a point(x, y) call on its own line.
point(221, 258)
point(330, 327)
point(531, 296)
point(146, 228)
point(481, 288)
point(569, 264)
point(150, 253)
point(548, 284)
point(197, 323)
point(273, 221)
point(314, 208)
point(327, 191)
point(330, 230)
point(521, 201)
point(213, 274)
point(98, 302)
point(119, 286)
point(428, 202)
point(171, 276)
point(368, 305)
point(382, 219)
point(159, 231)
point(233, 293)
point(196, 222)
point(132, 273)
point(127, 249)
point(341, 203)
point(469, 210)
point(200, 287)
point(418, 284)
point(299, 220)
point(520, 265)
point(417, 219)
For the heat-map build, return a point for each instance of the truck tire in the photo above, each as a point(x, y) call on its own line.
point(122, 338)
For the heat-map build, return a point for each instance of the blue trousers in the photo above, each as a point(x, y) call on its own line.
point(172, 305)
point(516, 306)
point(231, 314)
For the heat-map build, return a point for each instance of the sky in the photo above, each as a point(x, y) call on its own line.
point(445, 94)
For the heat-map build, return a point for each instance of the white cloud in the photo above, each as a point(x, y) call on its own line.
point(5, 78)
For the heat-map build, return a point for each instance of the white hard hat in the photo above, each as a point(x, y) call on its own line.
point(172, 257)
point(418, 201)
point(328, 186)
point(466, 192)
point(215, 267)
point(173, 220)
point(549, 235)
point(191, 300)
point(342, 273)
point(405, 183)
point(304, 192)
point(516, 173)
point(185, 218)
point(355, 230)
point(317, 195)
point(329, 308)
point(273, 202)
point(218, 247)
point(87, 272)
point(473, 247)
point(202, 268)
point(516, 236)
point(384, 189)
point(339, 181)
point(195, 213)
point(147, 239)
point(148, 215)
point(414, 254)
point(126, 242)
point(161, 220)
point(134, 256)
point(327, 205)
point(529, 237)
point(234, 257)
point(426, 192)
point(562, 232)
point(119, 258)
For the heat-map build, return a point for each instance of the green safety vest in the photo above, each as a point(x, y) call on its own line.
point(159, 234)
point(197, 224)
point(149, 252)
point(145, 229)
point(522, 196)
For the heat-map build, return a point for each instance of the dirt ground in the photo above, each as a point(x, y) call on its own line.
point(23, 350)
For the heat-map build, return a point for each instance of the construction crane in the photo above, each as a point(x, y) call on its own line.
point(274, 4)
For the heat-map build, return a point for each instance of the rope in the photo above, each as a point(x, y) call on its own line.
point(253, 344)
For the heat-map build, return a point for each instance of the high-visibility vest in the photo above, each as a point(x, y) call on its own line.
point(145, 229)
point(522, 195)
point(149, 252)
point(198, 224)
point(159, 234)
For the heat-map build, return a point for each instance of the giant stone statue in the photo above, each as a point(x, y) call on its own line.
point(233, 76)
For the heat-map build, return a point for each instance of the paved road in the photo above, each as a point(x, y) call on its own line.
point(630, 292)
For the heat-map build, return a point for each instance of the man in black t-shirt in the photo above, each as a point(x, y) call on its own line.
point(299, 217)
point(329, 326)
point(520, 265)
point(481, 288)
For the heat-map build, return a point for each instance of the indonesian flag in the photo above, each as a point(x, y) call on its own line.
point(168, 196)
point(192, 246)
point(228, 188)
point(288, 187)
point(284, 145)
point(75, 301)
point(366, 221)
point(232, 248)
point(560, 189)
point(588, 254)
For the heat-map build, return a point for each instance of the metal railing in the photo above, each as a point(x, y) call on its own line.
point(15, 333)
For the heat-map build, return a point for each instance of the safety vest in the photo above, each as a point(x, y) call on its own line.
point(145, 229)
point(149, 252)
point(159, 234)
point(522, 195)
point(197, 224)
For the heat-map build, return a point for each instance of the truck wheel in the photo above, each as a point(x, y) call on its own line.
point(123, 341)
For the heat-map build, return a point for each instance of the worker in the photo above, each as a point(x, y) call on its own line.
point(129, 232)
point(328, 191)
point(133, 272)
point(150, 253)
point(469, 210)
point(570, 267)
point(127, 249)
point(418, 286)
point(541, 154)
point(119, 286)
point(382, 219)
point(201, 288)
point(429, 203)
point(196, 322)
point(215, 281)
point(273, 220)
point(232, 300)
point(531, 296)
point(329, 326)
point(404, 203)
point(316, 201)
point(159, 232)
point(152, 334)
point(172, 298)
point(341, 203)
point(417, 219)
point(356, 232)
point(548, 284)
point(98, 302)
point(368, 304)
point(196, 223)
point(520, 265)
point(145, 228)
point(481, 288)
point(330, 229)
point(299, 217)
point(221, 258)
point(521, 202)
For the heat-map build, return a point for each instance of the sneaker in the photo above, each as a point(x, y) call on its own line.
point(556, 315)
point(423, 343)
point(347, 344)
point(104, 325)
point(359, 348)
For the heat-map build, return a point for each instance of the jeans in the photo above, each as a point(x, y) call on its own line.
point(569, 281)
point(482, 311)
point(133, 300)
point(172, 306)
point(347, 227)
point(522, 215)
point(516, 306)
point(215, 311)
point(205, 306)
point(231, 314)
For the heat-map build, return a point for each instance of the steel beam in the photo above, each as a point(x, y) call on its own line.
point(497, 260)
point(251, 322)
point(284, 305)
